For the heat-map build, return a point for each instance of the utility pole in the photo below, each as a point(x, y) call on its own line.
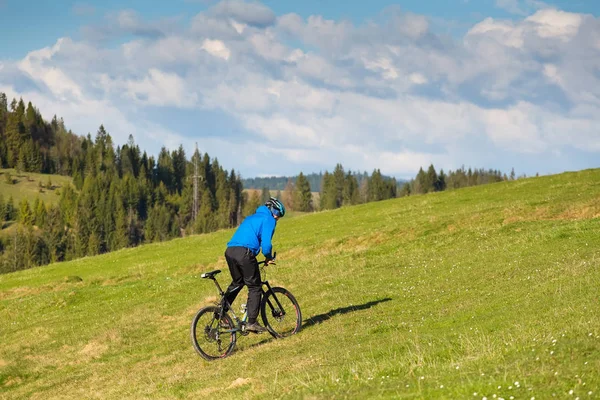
point(195, 208)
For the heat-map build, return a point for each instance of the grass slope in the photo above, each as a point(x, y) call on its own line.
point(27, 186)
point(489, 291)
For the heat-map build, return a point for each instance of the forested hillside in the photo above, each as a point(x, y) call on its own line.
point(120, 197)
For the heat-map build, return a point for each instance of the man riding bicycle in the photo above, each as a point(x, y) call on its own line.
point(255, 232)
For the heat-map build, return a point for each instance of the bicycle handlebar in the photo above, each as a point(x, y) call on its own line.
point(272, 259)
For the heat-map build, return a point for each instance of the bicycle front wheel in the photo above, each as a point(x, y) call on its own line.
point(212, 338)
point(280, 313)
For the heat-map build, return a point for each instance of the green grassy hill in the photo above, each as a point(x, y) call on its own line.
point(489, 291)
point(26, 185)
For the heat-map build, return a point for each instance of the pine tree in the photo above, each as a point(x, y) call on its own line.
point(441, 182)
point(10, 210)
point(15, 130)
point(55, 235)
point(40, 213)
point(431, 179)
point(377, 187)
point(339, 179)
point(351, 193)
point(328, 197)
point(25, 214)
point(303, 194)
point(93, 244)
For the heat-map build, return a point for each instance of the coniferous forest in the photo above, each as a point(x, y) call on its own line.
point(120, 196)
point(123, 197)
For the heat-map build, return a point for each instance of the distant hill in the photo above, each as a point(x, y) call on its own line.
point(279, 182)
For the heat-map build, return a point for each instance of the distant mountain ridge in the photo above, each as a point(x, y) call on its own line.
point(279, 182)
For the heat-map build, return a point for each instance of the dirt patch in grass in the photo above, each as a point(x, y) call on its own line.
point(93, 349)
point(589, 210)
point(3, 363)
point(240, 382)
point(575, 212)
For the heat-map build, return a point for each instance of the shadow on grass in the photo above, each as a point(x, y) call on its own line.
point(317, 319)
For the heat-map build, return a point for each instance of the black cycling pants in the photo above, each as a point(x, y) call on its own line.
point(243, 267)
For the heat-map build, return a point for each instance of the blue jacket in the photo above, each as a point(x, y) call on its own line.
point(255, 231)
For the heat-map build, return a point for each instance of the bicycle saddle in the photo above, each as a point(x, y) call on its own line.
point(211, 274)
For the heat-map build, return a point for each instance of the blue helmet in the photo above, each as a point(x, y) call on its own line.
point(276, 207)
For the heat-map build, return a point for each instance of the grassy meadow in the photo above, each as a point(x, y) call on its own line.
point(26, 185)
point(484, 292)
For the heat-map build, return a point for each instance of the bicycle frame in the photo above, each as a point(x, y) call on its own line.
point(240, 323)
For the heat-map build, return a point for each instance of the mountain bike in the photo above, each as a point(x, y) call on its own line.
point(214, 331)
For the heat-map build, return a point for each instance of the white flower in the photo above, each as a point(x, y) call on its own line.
point(571, 391)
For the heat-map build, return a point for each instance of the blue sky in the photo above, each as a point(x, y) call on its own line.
point(383, 84)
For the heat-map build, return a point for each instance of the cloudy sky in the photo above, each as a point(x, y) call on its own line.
point(278, 87)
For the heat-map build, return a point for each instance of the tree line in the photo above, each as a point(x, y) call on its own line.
point(314, 180)
point(432, 181)
point(120, 197)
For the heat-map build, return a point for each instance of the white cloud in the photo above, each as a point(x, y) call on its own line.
point(159, 88)
point(309, 92)
point(217, 48)
point(556, 24)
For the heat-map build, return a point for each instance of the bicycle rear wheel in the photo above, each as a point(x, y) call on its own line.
point(280, 313)
point(212, 339)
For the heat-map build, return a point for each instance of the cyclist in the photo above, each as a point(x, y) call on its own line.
point(255, 232)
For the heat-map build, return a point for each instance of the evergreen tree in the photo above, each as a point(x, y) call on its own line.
point(339, 179)
point(54, 235)
point(10, 212)
point(351, 193)
point(93, 244)
point(25, 214)
point(440, 184)
point(420, 183)
point(40, 212)
point(377, 188)
point(303, 194)
point(431, 179)
point(15, 131)
point(328, 197)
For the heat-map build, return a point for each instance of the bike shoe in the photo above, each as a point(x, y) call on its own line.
point(255, 328)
